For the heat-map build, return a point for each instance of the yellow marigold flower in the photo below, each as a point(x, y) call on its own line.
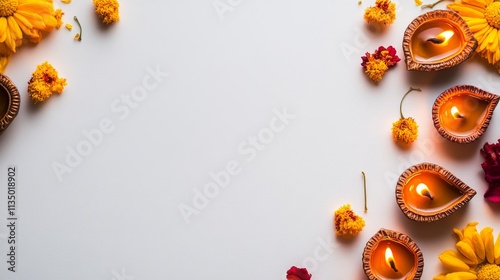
point(347, 222)
point(405, 129)
point(384, 12)
point(474, 258)
point(58, 14)
point(107, 10)
point(44, 82)
point(483, 18)
point(375, 69)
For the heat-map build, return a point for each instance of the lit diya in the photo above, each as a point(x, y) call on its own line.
point(427, 192)
point(462, 113)
point(9, 102)
point(437, 40)
point(392, 255)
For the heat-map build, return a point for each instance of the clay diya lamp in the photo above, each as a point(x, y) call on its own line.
point(427, 192)
point(462, 113)
point(392, 255)
point(437, 40)
point(10, 101)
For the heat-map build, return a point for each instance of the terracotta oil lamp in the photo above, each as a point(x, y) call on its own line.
point(437, 40)
point(10, 101)
point(392, 255)
point(462, 113)
point(427, 192)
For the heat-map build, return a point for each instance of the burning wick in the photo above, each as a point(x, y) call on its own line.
point(442, 38)
point(423, 190)
point(456, 114)
point(389, 258)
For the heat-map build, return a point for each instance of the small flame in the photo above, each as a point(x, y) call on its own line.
point(445, 36)
point(389, 259)
point(455, 113)
point(389, 256)
point(422, 188)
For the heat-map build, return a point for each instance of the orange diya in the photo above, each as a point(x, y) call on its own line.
point(9, 102)
point(462, 113)
point(392, 255)
point(437, 40)
point(427, 192)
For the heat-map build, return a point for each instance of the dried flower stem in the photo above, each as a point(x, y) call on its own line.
point(80, 26)
point(364, 189)
point(401, 103)
point(430, 6)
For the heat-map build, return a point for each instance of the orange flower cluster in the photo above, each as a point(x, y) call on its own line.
point(377, 63)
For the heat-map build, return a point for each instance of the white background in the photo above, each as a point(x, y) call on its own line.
point(116, 215)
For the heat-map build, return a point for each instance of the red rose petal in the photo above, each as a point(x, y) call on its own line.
point(493, 194)
point(295, 273)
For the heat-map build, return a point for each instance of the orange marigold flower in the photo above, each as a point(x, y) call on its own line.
point(107, 10)
point(347, 222)
point(377, 63)
point(375, 69)
point(44, 82)
point(405, 130)
point(384, 12)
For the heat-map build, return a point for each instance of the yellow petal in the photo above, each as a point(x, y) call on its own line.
point(460, 257)
point(10, 42)
point(439, 277)
point(489, 245)
point(467, 11)
point(452, 263)
point(478, 3)
point(37, 7)
point(30, 15)
point(3, 29)
point(478, 26)
point(466, 250)
point(14, 28)
point(4, 60)
point(478, 246)
point(460, 276)
point(460, 235)
point(497, 250)
point(483, 42)
point(22, 19)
